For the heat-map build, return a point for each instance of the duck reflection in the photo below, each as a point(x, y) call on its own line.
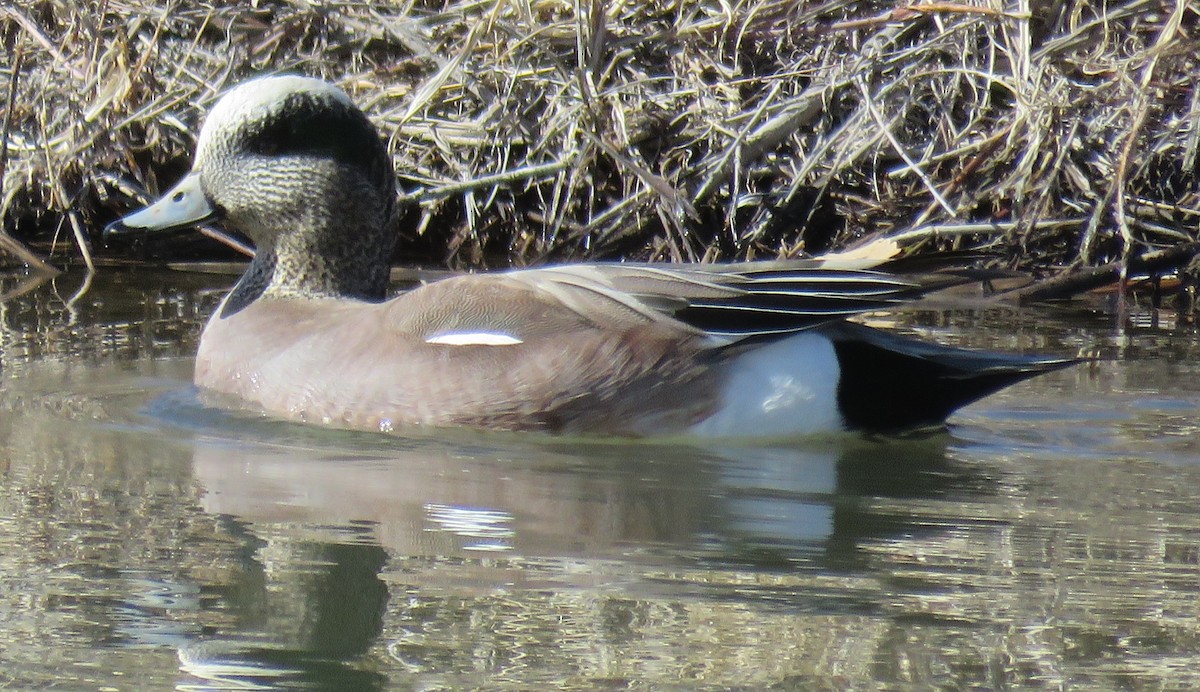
point(305, 618)
point(337, 524)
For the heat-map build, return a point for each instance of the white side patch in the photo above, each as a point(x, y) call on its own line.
point(474, 339)
point(785, 388)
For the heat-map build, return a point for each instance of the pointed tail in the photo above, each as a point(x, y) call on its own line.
point(892, 383)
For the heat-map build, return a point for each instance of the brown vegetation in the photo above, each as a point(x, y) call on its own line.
point(523, 131)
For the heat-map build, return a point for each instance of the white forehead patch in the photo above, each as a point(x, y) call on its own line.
point(248, 100)
point(473, 339)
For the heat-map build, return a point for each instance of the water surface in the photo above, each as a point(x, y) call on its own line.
point(1049, 538)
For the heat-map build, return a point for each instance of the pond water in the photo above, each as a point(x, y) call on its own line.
point(1049, 538)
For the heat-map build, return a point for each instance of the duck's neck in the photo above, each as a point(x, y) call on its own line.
point(252, 284)
point(298, 270)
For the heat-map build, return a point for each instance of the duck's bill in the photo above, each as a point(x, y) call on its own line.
point(182, 206)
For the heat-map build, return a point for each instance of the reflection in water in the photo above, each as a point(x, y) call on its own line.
point(302, 622)
point(513, 561)
point(1048, 540)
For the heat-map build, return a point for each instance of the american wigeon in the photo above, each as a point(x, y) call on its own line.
point(619, 349)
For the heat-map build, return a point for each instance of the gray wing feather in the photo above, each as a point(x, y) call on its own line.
point(726, 302)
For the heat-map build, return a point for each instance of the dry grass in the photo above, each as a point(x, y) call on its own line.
point(529, 130)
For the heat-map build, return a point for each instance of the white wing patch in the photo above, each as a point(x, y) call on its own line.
point(474, 339)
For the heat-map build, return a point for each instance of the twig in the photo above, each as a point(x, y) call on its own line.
point(46, 44)
point(25, 284)
point(965, 229)
point(907, 12)
point(676, 202)
point(226, 239)
point(987, 148)
point(750, 145)
point(72, 217)
point(1143, 109)
point(7, 242)
point(497, 179)
point(1079, 280)
point(84, 287)
point(886, 130)
point(18, 54)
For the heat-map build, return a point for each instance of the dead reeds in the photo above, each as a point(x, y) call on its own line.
point(532, 130)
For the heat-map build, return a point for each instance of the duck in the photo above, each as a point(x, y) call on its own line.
point(309, 332)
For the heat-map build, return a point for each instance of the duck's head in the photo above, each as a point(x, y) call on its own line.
point(294, 165)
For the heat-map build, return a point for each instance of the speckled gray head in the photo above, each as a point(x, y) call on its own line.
point(293, 164)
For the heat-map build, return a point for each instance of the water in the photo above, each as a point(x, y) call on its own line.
point(1050, 538)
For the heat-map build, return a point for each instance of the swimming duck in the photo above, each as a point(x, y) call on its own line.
point(308, 333)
